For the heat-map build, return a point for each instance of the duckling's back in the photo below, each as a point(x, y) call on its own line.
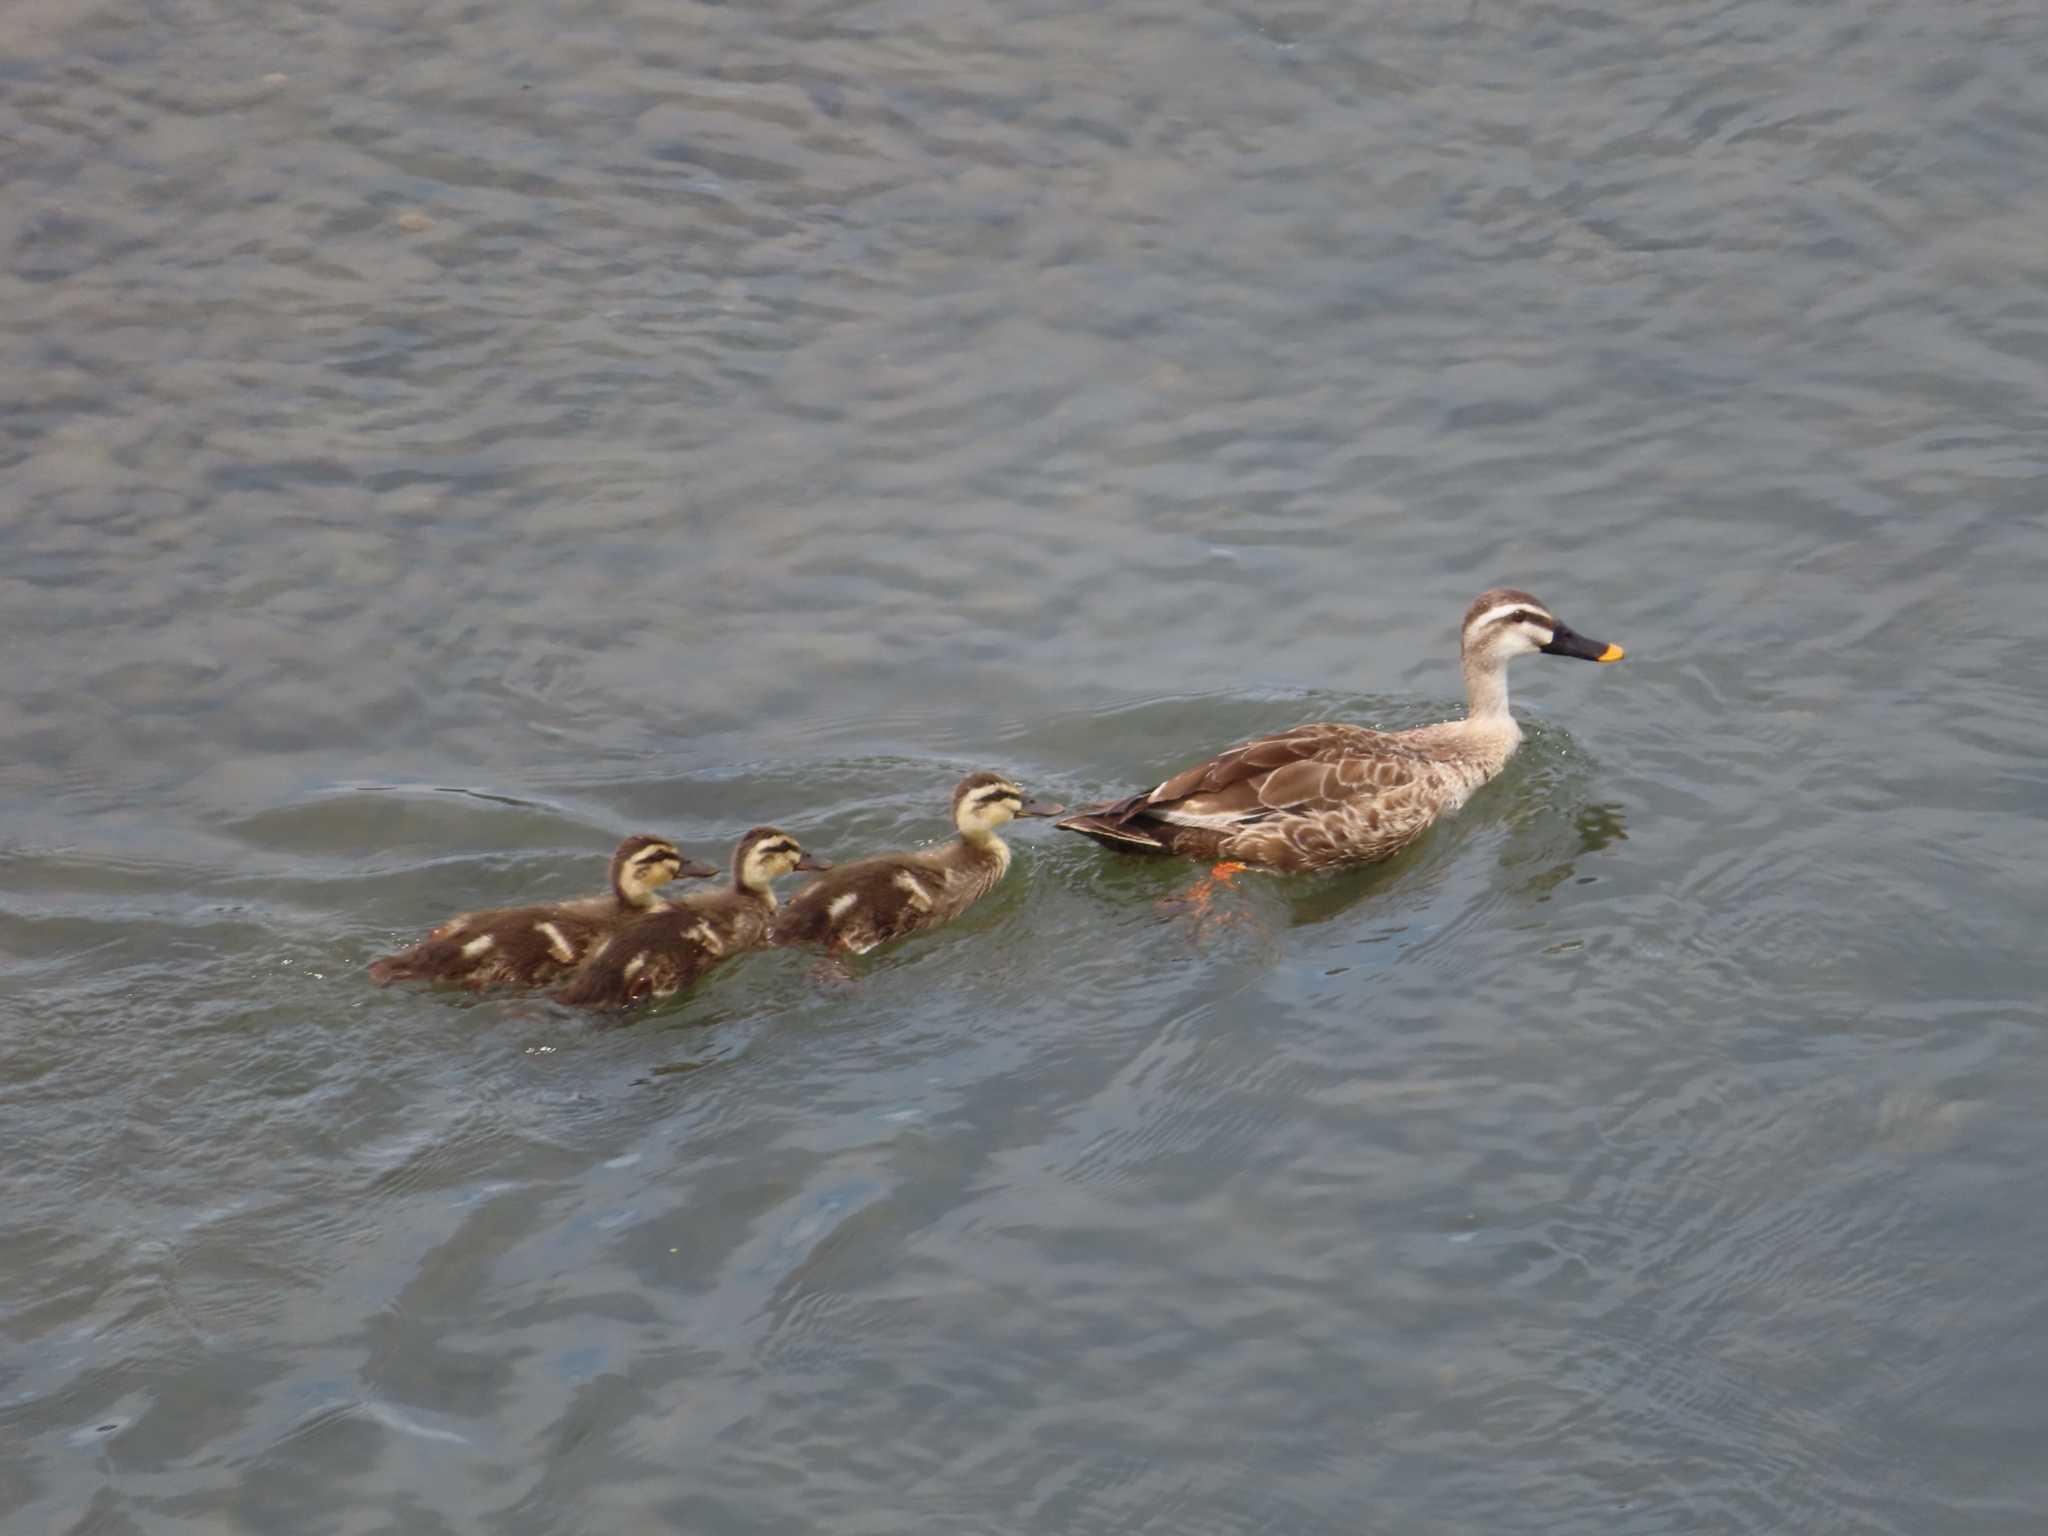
point(504, 946)
point(659, 955)
point(858, 906)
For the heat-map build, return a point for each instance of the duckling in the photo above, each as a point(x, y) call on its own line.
point(526, 946)
point(660, 954)
point(867, 903)
point(1326, 795)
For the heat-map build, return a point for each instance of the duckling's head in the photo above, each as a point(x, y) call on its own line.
point(1505, 622)
point(766, 854)
point(643, 864)
point(983, 802)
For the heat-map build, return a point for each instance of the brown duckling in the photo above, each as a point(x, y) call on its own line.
point(660, 954)
point(872, 901)
point(526, 946)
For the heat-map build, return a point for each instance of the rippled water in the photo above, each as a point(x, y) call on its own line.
point(440, 439)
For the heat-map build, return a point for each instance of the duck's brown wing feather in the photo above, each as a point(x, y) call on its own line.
point(1256, 800)
point(1311, 767)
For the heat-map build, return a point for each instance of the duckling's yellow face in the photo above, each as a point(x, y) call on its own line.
point(988, 806)
point(766, 855)
point(647, 869)
point(985, 801)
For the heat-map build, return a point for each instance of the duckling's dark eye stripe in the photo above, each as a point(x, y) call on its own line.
point(777, 845)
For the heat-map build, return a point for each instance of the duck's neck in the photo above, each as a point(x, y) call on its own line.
point(1486, 691)
point(752, 886)
point(982, 843)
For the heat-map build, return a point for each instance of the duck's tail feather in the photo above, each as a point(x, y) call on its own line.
point(1115, 824)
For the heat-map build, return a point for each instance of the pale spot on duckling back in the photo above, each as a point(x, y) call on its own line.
point(634, 966)
point(705, 936)
point(912, 887)
point(839, 906)
point(558, 945)
point(477, 946)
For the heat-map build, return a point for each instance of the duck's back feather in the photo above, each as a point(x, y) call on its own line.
point(1313, 797)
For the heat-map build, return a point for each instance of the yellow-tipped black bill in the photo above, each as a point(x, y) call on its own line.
point(1569, 642)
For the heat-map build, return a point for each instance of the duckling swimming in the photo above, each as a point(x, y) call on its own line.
point(1326, 795)
point(863, 904)
point(526, 946)
point(660, 954)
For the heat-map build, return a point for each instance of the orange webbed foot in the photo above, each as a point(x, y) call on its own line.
point(1199, 898)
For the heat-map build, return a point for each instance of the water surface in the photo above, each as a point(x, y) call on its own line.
point(442, 439)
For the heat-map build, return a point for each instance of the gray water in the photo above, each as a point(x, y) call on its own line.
point(440, 439)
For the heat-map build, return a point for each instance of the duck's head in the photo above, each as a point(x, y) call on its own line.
point(643, 864)
point(765, 855)
point(1504, 623)
point(983, 802)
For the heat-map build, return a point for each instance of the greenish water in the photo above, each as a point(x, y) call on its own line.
point(440, 440)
